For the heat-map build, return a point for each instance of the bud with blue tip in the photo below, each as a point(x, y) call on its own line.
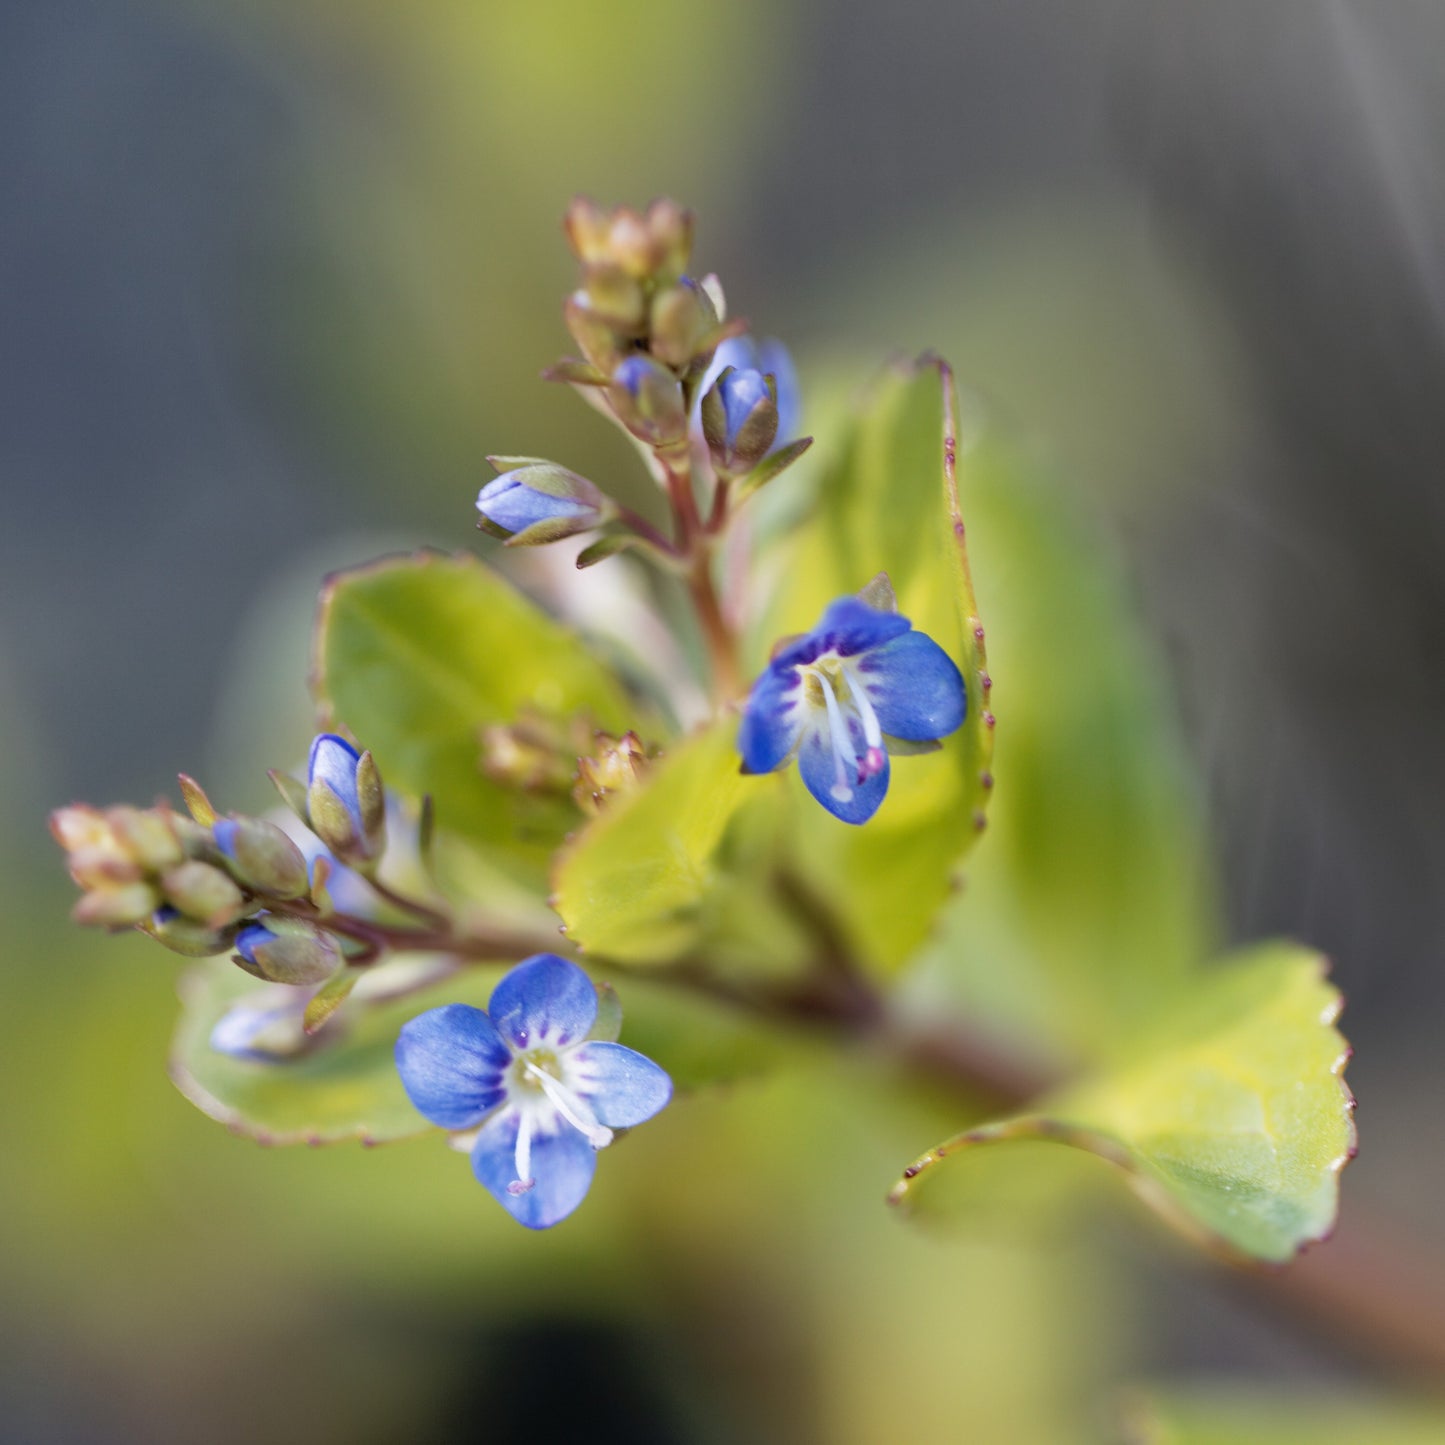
point(536, 501)
point(287, 950)
point(647, 398)
point(771, 358)
point(740, 419)
point(261, 857)
point(171, 928)
point(345, 802)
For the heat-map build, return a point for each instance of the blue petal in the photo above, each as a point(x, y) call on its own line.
point(742, 393)
point(562, 1164)
point(515, 507)
point(915, 688)
point(770, 722)
point(451, 1063)
point(815, 763)
point(544, 1000)
point(623, 1087)
point(333, 762)
point(773, 359)
point(850, 626)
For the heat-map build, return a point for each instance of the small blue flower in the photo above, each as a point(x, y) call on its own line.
point(544, 1089)
point(768, 357)
point(838, 696)
point(539, 502)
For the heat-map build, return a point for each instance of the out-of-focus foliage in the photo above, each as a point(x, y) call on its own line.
point(1228, 1415)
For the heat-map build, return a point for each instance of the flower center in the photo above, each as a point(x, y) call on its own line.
point(829, 684)
point(539, 1071)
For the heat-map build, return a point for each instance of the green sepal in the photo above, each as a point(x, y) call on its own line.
point(575, 373)
point(196, 800)
point(330, 996)
point(293, 793)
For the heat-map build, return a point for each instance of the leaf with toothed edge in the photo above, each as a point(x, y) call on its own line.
point(1231, 1118)
point(889, 501)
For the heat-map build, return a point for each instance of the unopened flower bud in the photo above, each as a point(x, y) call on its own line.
point(115, 907)
point(740, 419)
point(598, 338)
point(204, 893)
point(149, 834)
point(587, 226)
point(682, 317)
point(346, 806)
point(539, 502)
point(287, 950)
point(647, 398)
point(615, 296)
point(172, 929)
point(261, 857)
point(616, 767)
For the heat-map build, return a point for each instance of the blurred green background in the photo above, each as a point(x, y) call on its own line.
point(273, 280)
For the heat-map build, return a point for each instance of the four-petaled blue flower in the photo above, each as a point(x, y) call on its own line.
point(545, 1090)
point(838, 696)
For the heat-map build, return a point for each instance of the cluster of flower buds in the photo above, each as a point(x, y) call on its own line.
point(203, 884)
point(536, 753)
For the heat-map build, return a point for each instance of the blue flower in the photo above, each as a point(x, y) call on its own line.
point(837, 697)
point(546, 1090)
point(539, 502)
point(768, 358)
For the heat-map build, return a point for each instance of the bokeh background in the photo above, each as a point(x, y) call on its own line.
point(274, 278)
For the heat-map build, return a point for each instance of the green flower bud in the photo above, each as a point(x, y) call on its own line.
point(598, 338)
point(647, 398)
point(203, 892)
point(287, 950)
point(148, 835)
point(615, 297)
point(261, 857)
point(682, 317)
point(345, 802)
point(115, 907)
point(173, 930)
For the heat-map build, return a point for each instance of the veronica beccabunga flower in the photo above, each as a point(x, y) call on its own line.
point(838, 697)
point(532, 1075)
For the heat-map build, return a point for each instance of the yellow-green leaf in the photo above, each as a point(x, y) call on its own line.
point(890, 502)
point(416, 654)
point(630, 884)
point(1231, 1118)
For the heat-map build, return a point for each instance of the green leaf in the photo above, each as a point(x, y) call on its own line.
point(415, 655)
point(889, 502)
point(1092, 902)
point(630, 884)
point(343, 1085)
point(1229, 1415)
point(1230, 1119)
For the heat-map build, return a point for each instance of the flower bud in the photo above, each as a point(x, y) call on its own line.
point(615, 297)
point(261, 857)
point(264, 1029)
point(172, 929)
point(115, 906)
point(346, 807)
point(740, 419)
point(539, 502)
point(287, 950)
point(598, 338)
point(587, 226)
point(204, 893)
point(647, 398)
point(616, 767)
point(682, 316)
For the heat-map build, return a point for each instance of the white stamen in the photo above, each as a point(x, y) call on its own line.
point(844, 758)
point(871, 731)
point(524, 1181)
point(571, 1108)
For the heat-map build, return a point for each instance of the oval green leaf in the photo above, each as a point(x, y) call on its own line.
point(416, 654)
point(1231, 1120)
